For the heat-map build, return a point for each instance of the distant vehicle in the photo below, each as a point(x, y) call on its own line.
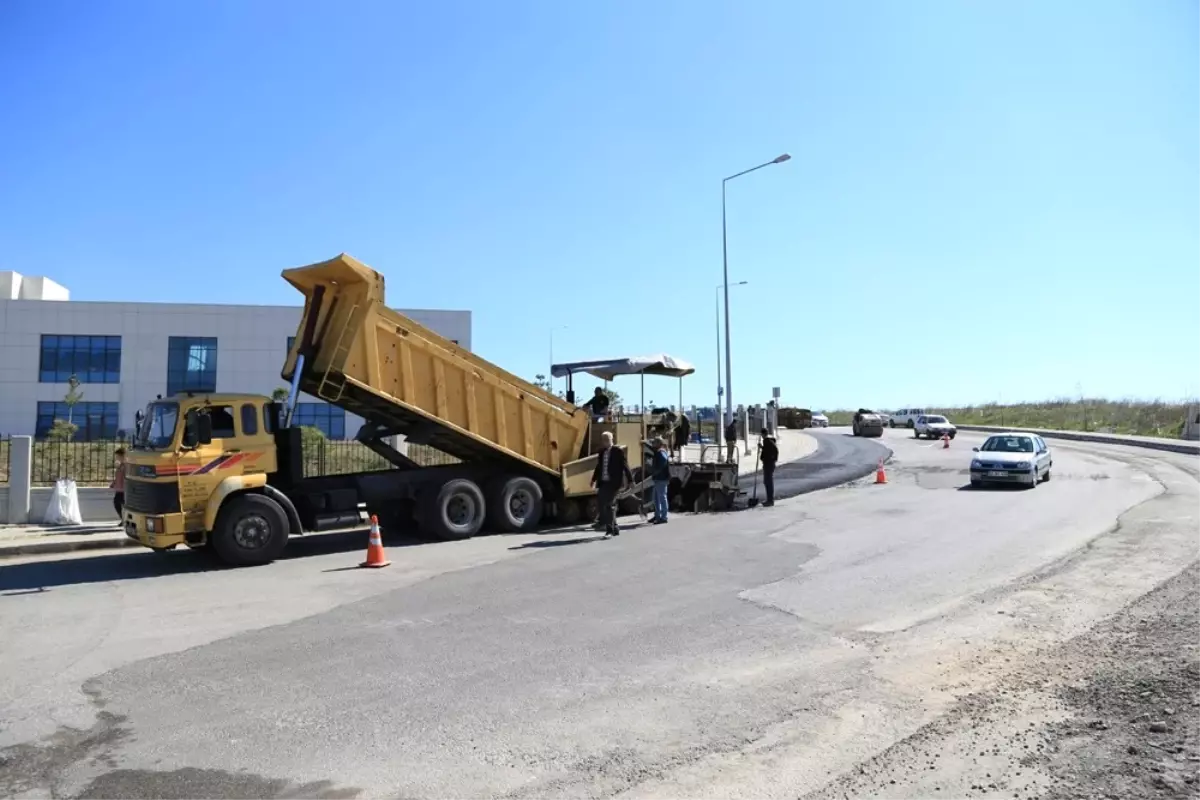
point(820, 421)
point(933, 426)
point(1020, 458)
point(905, 417)
point(868, 423)
point(794, 419)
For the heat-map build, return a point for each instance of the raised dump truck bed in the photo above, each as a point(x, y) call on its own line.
point(403, 378)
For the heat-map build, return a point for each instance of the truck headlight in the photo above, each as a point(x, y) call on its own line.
point(976, 464)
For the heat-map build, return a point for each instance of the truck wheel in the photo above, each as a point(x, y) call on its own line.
point(891, 423)
point(911, 424)
point(251, 529)
point(456, 511)
point(514, 505)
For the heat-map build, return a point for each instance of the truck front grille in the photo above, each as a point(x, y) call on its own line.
point(147, 497)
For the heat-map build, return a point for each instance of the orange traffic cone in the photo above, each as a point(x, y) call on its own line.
point(945, 441)
point(375, 556)
point(880, 475)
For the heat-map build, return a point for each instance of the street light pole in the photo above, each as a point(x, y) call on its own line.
point(725, 268)
point(719, 434)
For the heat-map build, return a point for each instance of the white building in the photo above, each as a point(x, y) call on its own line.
point(126, 354)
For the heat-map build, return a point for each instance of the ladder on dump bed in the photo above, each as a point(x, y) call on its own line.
point(333, 383)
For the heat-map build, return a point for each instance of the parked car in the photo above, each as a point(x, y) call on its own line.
point(820, 421)
point(905, 417)
point(933, 426)
point(1020, 458)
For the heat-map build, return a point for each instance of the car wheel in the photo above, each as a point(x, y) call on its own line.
point(1037, 478)
point(1046, 477)
point(916, 434)
point(976, 484)
point(891, 423)
point(910, 424)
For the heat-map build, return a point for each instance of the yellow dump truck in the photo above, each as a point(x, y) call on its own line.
point(225, 470)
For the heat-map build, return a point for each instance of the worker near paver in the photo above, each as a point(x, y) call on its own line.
point(770, 455)
point(598, 405)
point(118, 485)
point(611, 473)
point(731, 440)
point(683, 432)
point(660, 471)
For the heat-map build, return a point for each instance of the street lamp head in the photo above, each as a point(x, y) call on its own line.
point(781, 159)
point(741, 283)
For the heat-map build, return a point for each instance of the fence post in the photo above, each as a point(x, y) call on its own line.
point(20, 478)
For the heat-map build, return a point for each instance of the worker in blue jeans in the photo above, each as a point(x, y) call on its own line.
point(660, 470)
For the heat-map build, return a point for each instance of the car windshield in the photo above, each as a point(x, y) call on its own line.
point(157, 429)
point(1008, 444)
point(933, 420)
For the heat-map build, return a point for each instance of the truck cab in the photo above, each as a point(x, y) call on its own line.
point(190, 455)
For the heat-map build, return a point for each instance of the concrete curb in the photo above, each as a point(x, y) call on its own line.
point(29, 548)
point(1181, 446)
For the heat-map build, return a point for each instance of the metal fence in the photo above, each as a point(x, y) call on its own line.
point(334, 457)
point(95, 463)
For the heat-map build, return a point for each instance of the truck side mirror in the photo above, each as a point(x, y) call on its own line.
point(204, 428)
point(974, 449)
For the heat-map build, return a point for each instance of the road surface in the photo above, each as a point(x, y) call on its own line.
point(760, 653)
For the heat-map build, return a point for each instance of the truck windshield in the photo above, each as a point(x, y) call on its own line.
point(157, 430)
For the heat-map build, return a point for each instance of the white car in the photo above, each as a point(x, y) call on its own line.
point(1020, 458)
point(933, 426)
point(905, 417)
point(820, 421)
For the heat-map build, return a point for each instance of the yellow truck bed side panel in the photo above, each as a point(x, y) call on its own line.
point(388, 368)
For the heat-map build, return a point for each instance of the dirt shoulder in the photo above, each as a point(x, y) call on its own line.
point(1111, 713)
point(1135, 729)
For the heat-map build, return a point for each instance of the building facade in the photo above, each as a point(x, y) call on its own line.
point(125, 354)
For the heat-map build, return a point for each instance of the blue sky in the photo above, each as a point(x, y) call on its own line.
point(985, 200)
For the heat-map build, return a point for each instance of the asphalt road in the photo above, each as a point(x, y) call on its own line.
point(758, 653)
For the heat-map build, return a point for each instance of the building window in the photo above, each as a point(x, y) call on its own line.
point(329, 419)
point(94, 420)
point(91, 359)
point(191, 364)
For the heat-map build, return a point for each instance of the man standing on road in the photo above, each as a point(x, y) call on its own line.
point(118, 485)
point(611, 473)
point(731, 440)
point(770, 455)
point(660, 468)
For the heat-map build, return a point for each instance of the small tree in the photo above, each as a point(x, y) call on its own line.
point(280, 394)
point(63, 430)
point(614, 399)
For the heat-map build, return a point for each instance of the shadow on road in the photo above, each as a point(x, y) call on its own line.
point(133, 564)
point(542, 543)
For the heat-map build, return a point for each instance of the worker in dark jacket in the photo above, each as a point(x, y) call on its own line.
point(598, 405)
point(770, 455)
point(683, 432)
point(611, 473)
point(660, 471)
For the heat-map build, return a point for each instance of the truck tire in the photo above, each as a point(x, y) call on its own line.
point(514, 504)
point(455, 511)
point(250, 529)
